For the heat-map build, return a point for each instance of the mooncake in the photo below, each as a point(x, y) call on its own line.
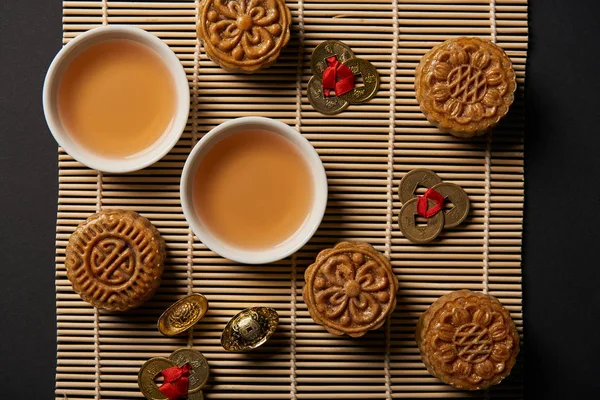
point(244, 36)
point(115, 260)
point(468, 340)
point(350, 289)
point(465, 85)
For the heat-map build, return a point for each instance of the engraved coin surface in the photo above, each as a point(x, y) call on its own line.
point(199, 395)
point(148, 372)
point(370, 77)
point(318, 61)
point(115, 260)
point(454, 193)
point(249, 329)
point(325, 105)
point(183, 314)
point(413, 179)
point(419, 234)
point(199, 371)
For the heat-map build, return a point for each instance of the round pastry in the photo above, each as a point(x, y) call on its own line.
point(244, 36)
point(465, 85)
point(350, 289)
point(468, 340)
point(115, 260)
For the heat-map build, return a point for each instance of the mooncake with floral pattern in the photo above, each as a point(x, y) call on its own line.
point(350, 289)
point(465, 85)
point(244, 35)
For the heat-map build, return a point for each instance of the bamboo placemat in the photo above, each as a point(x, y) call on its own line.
point(366, 151)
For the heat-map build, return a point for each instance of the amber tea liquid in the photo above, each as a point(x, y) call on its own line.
point(253, 190)
point(117, 98)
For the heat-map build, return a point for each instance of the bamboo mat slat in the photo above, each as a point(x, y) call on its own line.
point(366, 151)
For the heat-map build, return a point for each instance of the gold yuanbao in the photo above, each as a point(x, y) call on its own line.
point(249, 329)
point(182, 315)
point(115, 260)
point(465, 85)
point(468, 340)
point(244, 36)
point(350, 289)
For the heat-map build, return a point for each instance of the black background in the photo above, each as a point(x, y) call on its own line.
point(562, 214)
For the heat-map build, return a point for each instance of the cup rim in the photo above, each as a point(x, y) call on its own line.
point(86, 156)
point(300, 237)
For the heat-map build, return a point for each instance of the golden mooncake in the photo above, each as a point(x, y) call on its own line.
point(244, 35)
point(465, 85)
point(350, 289)
point(468, 340)
point(115, 260)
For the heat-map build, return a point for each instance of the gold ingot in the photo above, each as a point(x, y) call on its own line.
point(183, 315)
point(197, 379)
point(249, 329)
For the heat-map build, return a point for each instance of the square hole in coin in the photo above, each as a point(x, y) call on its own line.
point(420, 222)
point(448, 205)
point(420, 190)
point(358, 81)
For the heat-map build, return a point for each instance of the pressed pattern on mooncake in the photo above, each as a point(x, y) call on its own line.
point(468, 340)
point(244, 35)
point(465, 85)
point(115, 260)
point(350, 289)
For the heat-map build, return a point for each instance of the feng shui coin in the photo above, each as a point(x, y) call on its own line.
point(199, 371)
point(455, 194)
point(370, 77)
point(325, 105)
point(199, 395)
point(419, 234)
point(318, 61)
point(249, 329)
point(413, 179)
point(148, 372)
point(182, 315)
